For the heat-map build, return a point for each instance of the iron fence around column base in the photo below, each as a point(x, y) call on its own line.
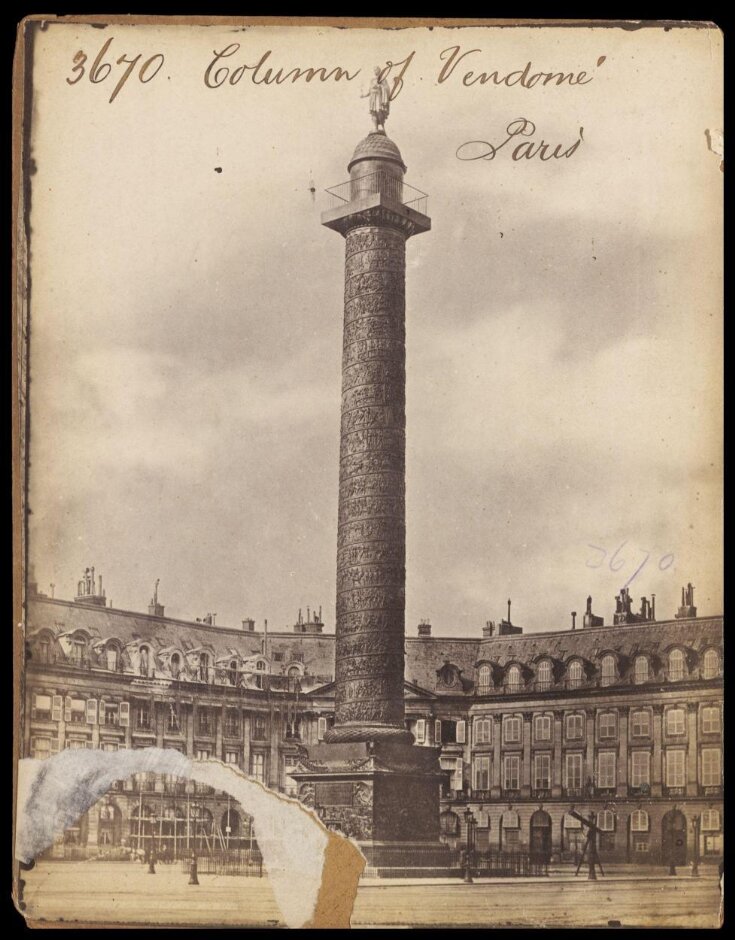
point(245, 863)
point(509, 865)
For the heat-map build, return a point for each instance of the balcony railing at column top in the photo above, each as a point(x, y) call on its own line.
point(372, 183)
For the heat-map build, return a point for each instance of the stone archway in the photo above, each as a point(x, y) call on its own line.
point(674, 838)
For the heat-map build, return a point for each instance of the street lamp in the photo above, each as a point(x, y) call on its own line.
point(470, 821)
point(696, 823)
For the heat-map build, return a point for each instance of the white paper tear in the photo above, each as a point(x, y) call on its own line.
point(54, 793)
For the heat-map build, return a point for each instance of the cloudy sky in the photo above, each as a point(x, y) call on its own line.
point(563, 323)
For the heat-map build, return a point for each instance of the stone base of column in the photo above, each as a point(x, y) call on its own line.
point(384, 794)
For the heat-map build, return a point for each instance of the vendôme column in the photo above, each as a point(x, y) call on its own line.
point(371, 541)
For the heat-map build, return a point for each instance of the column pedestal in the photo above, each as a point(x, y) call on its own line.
point(385, 796)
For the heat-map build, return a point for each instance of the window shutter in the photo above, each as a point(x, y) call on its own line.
point(421, 731)
point(321, 728)
point(461, 732)
point(124, 714)
point(438, 731)
point(54, 745)
point(91, 711)
point(33, 705)
point(67, 708)
point(56, 707)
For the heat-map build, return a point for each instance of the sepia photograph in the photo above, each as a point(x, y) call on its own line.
point(368, 473)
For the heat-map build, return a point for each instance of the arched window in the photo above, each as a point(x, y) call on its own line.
point(641, 670)
point(175, 665)
point(483, 677)
point(711, 664)
point(449, 824)
point(294, 672)
point(544, 675)
point(606, 820)
point(514, 679)
point(710, 820)
point(608, 669)
point(575, 674)
point(112, 658)
point(145, 661)
point(676, 665)
point(639, 821)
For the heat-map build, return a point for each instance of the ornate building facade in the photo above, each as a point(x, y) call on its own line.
point(624, 721)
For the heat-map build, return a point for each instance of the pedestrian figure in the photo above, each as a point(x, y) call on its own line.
point(152, 863)
point(193, 880)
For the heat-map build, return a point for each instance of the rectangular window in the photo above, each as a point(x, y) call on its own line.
point(574, 771)
point(542, 728)
point(675, 768)
point(109, 746)
point(57, 708)
point(232, 757)
point(205, 721)
point(675, 721)
point(711, 776)
point(512, 730)
point(232, 723)
point(483, 730)
point(257, 767)
point(606, 820)
point(640, 768)
point(142, 717)
point(73, 744)
point(542, 772)
point(78, 713)
point(461, 732)
point(259, 728)
point(42, 707)
point(640, 724)
point(710, 720)
point(421, 731)
point(482, 773)
point(40, 748)
point(608, 724)
point(575, 727)
point(321, 728)
point(91, 711)
point(203, 753)
point(108, 714)
point(124, 714)
point(457, 779)
point(606, 769)
point(173, 719)
point(511, 772)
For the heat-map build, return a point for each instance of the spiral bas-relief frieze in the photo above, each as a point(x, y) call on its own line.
point(371, 535)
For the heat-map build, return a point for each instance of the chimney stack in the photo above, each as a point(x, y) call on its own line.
point(489, 629)
point(248, 625)
point(424, 628)
point(574, 620)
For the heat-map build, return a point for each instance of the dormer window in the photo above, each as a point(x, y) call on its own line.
point(513, 680)
point(112, 658)
point(232, 672)
point(544, 675)
point(711, 664)
point(640, 674)
point(145, 661)
point(575, 674)
point(676, 665)
point(204, 667)
point(78, 650)
point(608, 669)
point(484, 680)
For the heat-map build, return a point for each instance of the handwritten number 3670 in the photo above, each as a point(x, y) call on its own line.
point(101, 69)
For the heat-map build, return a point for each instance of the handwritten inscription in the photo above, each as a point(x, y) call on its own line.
point(101, 70)
point(527, 149)
point(619, 559)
